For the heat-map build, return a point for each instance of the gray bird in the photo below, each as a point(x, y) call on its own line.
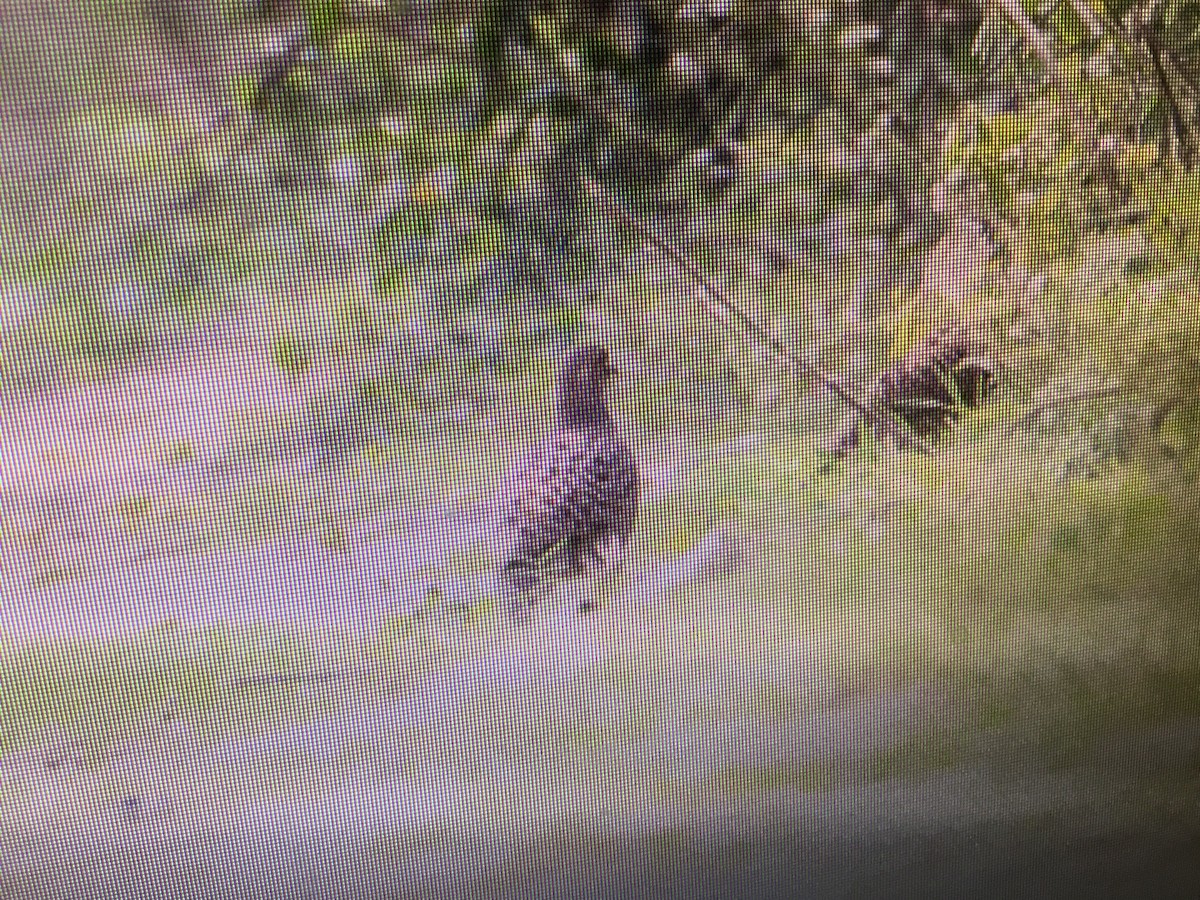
point(576, 495)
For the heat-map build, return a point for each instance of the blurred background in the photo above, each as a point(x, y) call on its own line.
point(284, 287)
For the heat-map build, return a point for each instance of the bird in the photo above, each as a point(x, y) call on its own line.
point(929, 386)
point(574, 497)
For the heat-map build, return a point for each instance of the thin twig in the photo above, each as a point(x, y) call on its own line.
point(268, 82)
point(277, 678)
point(1082, 121)
point(1178, 123)
point(1062, 400)
point(1180, 70)
point(1159, 55)
point(761, 334)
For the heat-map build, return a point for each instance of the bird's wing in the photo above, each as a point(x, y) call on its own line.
point(622, 490)
point(543, 488)
point(576, 487)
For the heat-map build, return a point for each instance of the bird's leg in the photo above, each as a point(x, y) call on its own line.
point(521, 582)
point(592, 552)
point(526, 600)
point(616, 575)
point(519, 610)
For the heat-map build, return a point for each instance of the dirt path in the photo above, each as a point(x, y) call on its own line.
point(613, 755)
point(444, 807)
point(525, 767)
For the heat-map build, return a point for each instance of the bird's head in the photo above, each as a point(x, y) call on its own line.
point(581, 387)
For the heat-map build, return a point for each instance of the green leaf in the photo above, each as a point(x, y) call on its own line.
point(290, 355)
point(351, 45)
point(324, 18)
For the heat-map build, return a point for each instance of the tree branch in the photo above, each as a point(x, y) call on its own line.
point(890, 423)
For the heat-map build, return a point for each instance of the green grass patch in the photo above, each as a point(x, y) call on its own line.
point(221, 679)
point(104, 691)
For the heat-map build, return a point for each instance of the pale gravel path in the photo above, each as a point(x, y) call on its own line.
point(511, 825)
point(461, 782)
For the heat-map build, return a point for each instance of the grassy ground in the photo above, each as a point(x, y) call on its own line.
point(978, 569)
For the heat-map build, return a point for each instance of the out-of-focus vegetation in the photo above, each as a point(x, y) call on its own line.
point(440, 152)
